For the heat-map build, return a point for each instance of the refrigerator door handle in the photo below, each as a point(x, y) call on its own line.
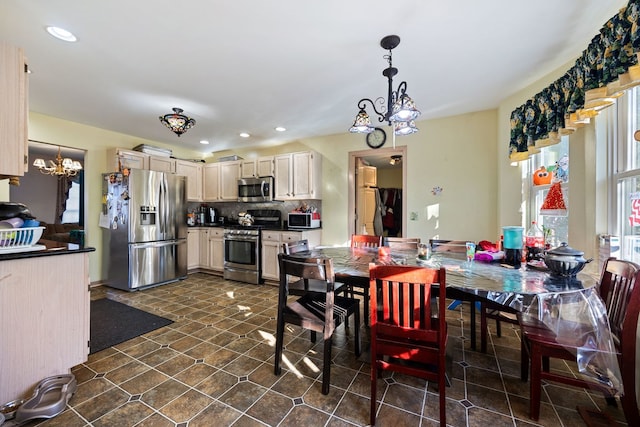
point(158, 244)
point(162, 208)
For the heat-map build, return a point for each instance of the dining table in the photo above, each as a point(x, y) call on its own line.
point(559, 302)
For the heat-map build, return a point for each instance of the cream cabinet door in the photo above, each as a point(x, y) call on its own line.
point(229, 175)
point(193, 248)
point(283, 175)
point(271, 247)
point(265, 166)
point(14, 111)
point(128, 159)
point(203, 243)
point(248, 169)
point(216, 249)
point(193, 172)
point(162, 164)
point(211, 182)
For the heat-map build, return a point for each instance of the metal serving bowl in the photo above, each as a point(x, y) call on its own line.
point(565, 261)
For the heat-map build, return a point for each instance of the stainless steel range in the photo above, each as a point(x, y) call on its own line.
point(242, 245)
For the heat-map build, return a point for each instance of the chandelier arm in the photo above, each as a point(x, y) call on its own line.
point(380, 100)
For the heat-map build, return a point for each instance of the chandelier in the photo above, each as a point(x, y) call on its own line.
point(177, 122)
point(61, 167)
point(399, 111)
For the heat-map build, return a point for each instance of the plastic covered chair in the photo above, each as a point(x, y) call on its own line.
point(620, 291)
point(365, 241)
point(406, 336)
point(319, 312)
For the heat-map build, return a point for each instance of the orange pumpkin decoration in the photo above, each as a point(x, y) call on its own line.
point(542, 176)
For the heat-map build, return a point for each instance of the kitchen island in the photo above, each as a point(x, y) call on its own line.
point(44, 315)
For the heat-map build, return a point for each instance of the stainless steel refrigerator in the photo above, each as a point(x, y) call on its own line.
point(145, 231)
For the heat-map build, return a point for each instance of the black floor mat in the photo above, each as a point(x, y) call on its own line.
point(113, 322)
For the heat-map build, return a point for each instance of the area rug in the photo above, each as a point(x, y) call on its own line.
point(113, 323)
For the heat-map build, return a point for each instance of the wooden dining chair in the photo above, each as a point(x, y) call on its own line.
point(362, 288)
point(404, 328)
point(365, 241)
point(620, 291)
point(493, 311)
point(319, 312)
point(458, 248)
point(298, 285)
point(402, 243)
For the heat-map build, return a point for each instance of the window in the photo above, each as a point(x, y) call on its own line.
point(71, 213)
point(538, 173)
point(626, 175)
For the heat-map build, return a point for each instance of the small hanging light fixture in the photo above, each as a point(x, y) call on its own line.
point(61, 167)
point(400, 110)
point(177, 122)
point(395, 159)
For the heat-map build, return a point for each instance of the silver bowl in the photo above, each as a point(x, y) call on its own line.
point(565, 261)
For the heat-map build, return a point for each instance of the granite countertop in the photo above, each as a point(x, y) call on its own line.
point(50, 248)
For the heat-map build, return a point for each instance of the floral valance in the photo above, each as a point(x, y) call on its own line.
point(606, 68)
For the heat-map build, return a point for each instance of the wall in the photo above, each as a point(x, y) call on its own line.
point(41, 197)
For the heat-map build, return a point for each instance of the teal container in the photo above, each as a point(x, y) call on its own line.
point(512, 236)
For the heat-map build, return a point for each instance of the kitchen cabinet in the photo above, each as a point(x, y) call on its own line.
point(193, 171)
point(211, 182)
point(162, 164)
point(216, 249)
point(130, 159)
point(229, 175)
point(272, 245)
point(14, 111)
point(298, 176)
point(44, 313)
point(204, 248)
point(193, 248)
point(261, 167)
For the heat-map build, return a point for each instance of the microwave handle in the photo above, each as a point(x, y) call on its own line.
point(263, 184)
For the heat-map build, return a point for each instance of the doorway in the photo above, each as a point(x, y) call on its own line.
point(39, 192)
point(392, 176)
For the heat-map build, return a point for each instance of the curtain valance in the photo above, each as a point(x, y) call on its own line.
point(606, 68)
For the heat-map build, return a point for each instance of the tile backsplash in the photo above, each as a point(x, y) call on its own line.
point(230, 210)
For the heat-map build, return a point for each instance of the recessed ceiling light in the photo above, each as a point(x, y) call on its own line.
point(280, 129)
point(244, 135)
point(62, 34)
point(204, 142)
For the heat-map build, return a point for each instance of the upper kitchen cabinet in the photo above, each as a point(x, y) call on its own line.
point(261, 167)
point(297, 176)
point(162, 164)
point(14, 111)
point(193, 171)
point(221, 181)
point(128, 159)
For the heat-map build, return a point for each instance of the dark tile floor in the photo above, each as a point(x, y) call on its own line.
point(214, 367)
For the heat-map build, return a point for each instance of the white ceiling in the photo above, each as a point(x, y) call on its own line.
point(248, 66)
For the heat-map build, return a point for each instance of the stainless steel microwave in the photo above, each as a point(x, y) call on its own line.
point(255, 189)
point(303, 220)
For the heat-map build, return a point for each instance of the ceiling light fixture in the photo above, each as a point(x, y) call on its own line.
point(61, 167)
point(62, 34)
point(177, 122)
point(204, 142)
point(244, 135)
point(395, 159)
point(399, 111)
point(280, 129)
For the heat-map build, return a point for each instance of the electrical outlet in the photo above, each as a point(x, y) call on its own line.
point(413, 216)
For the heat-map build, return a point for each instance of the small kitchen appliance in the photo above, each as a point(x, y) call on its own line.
point(303, 220)
point(255, 189)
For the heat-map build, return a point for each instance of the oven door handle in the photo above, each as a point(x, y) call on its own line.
point(241, 238)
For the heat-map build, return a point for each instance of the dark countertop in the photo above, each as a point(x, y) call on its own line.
point(229, 225)
point(52, 248)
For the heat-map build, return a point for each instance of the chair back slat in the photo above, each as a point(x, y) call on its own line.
point(295, 247)
point(365, 241)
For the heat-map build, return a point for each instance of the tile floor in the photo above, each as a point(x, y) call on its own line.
point(214, 367)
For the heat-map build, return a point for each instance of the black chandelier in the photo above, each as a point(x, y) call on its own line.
point(399, 111)
point(177, 122)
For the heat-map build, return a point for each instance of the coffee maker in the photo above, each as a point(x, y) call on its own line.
point(212, 215)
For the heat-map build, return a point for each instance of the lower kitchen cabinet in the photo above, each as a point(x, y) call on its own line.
point(272, 245)
point(204, 248)
point(216, 249)
point(193, 248)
